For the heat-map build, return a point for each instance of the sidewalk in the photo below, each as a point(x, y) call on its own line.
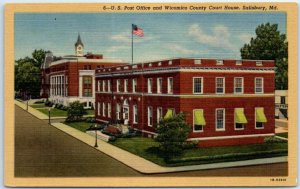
point(140, 164)
point(144, 166)
point(39, 114)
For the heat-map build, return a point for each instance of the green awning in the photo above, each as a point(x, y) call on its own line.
point(199, 118)
point(260, 115)
point(240, 116)
point(169, 114)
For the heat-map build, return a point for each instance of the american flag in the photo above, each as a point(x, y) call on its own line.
point(137, 31)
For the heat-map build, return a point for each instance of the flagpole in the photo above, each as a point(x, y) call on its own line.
point(131, 45)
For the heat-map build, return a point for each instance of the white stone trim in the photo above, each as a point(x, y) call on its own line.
point(187, 69)
point(149, 132)
point(230, 137)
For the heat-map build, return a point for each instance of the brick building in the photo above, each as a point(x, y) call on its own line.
point(70, 78)
point(227, 102)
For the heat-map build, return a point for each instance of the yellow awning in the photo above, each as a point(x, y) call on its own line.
point(199, 118)
point(240, 116)
point(260, 115)
point(169, 114)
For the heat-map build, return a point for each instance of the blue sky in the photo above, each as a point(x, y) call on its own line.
point(167, 35)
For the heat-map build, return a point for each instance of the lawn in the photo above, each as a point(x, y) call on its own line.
point(284, 135)
point(54, 112)
point(147, 148)
point(41, 105)
point(60, 113)
point(81, 126)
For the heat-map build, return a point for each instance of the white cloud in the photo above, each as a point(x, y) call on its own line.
point(218, 37)
point(245, 37)
point(126, 37)
point(116, 48)
point(179, 49)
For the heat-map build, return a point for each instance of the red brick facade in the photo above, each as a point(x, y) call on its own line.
point(180, 76)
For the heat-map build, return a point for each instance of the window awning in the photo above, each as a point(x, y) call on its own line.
point(199, 118)
point(240, 116)
point(260, 115)
point(169, 114)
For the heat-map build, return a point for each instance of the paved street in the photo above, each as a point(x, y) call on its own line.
point(44, 151)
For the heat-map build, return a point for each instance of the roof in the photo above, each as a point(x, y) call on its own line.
point(79, 42)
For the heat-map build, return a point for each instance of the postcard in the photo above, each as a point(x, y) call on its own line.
point(150, 95)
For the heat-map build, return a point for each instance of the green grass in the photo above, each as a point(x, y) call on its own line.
point(57, 112)
point(37, 105)
point(90, 112)
point(147, 148)
point(285, 135)
point(54, 112)
point(81, 126)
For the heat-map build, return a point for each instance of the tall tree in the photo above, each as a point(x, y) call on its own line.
point(172, 136)
point(269, 44)
point(28, 74)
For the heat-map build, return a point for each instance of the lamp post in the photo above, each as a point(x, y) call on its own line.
point(96, 144)
point(94, 128)
point(49, 122)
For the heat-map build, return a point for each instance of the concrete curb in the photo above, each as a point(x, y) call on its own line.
point(282, 138)
point(144, 166)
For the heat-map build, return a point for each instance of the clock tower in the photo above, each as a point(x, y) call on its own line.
point(79, 47)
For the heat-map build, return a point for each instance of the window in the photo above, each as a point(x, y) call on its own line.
point(135, 114)
point(219, 62)
point(198, 85)
point(118, 85)
point(103, 109)
point(99, 86)
point(134, 85)
point(103, 86)
point(238, 63)
point(87, 80)
point(87, 92)
point(198, 120)
point(260, 118)
point(159, 85)
point(220, 119)
point(150, 116)
point(108, 110)
point(108, 86)
point(99, 108)
point(159, 63)
point(239, 118)
point(238, 85)
point(282, 99)
point(259, 85)
point(118, 112)
point(159, 114)
point(149, 85)
point(259, 63)
point(220, 85)
point(170, 62)
point(125, 85)
point(198, 61)
point(170, 85)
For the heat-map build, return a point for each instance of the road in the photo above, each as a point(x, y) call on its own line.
point(44, 151)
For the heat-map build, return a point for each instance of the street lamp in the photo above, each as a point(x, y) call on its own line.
point(96, 144)
point(49, 111)
point(94, 128)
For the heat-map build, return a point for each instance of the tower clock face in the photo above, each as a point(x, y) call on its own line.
point(79, 48)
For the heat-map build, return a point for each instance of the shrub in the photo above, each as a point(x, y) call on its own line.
point(272, 139)
point(75, 112)
point(90, 120)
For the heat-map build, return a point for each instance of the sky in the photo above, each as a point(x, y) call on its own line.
point(166, 35)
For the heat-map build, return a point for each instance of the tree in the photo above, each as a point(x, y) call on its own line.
point(28, 74)
point(75, 111)
point(269, 44)
point(172, 135)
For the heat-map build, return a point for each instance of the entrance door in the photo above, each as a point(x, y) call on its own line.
point(126, 112)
